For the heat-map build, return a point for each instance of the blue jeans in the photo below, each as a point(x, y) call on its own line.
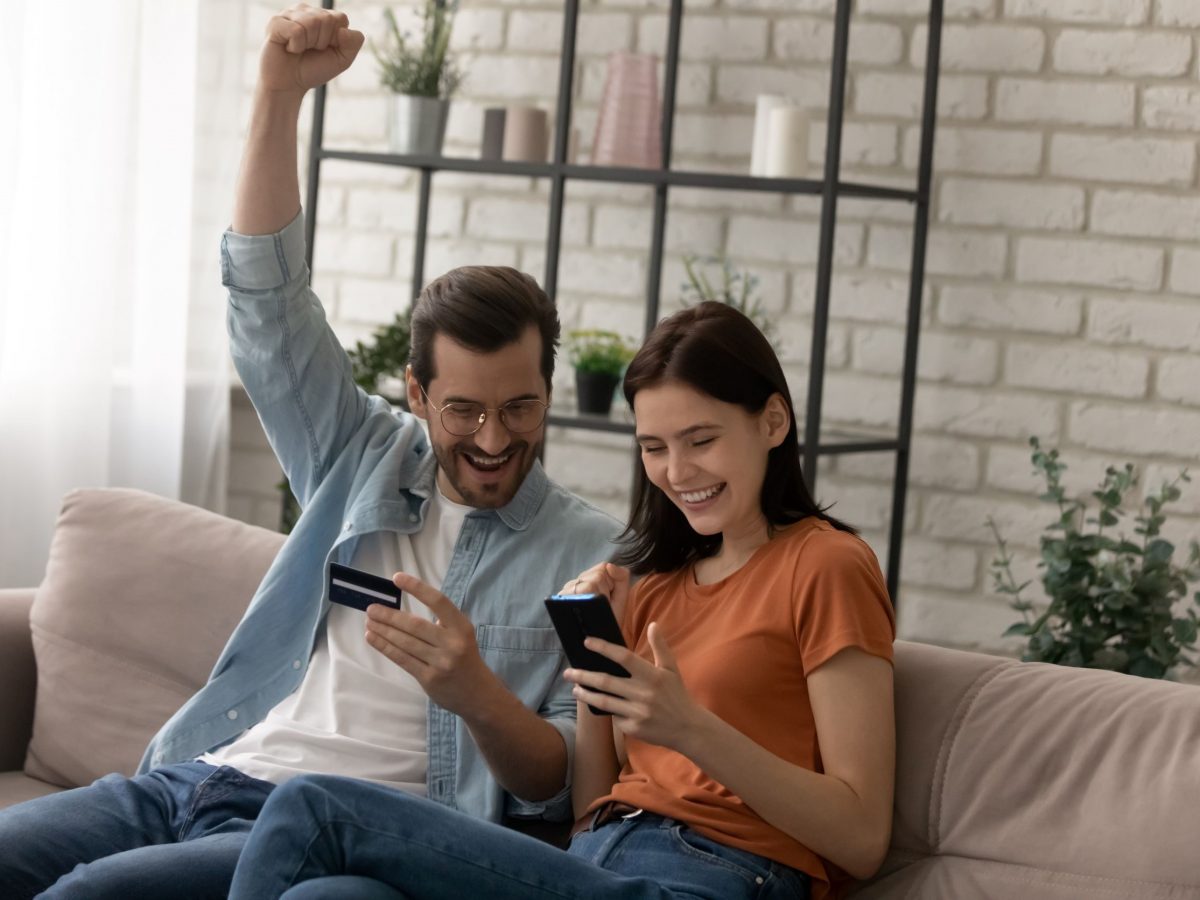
point(175, 832)
point(360, 840)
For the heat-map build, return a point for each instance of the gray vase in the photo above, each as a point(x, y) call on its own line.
point(417, 125)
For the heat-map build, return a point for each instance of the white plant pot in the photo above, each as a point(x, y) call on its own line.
point(417, 125)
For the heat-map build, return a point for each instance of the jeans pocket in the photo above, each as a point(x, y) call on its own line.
point(789, 884)
point(754, 869)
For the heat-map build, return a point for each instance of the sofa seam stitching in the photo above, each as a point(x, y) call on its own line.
point(947, 748)
point(54, 637)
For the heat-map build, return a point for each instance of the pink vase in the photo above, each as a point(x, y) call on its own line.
point(629, 128)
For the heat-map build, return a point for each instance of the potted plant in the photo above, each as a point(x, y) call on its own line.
point(735, 288)
point(378, 368)
point(422, 78)
point(599, 358)
point(1114, 601)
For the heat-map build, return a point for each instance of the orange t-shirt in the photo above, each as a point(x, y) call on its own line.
point(744, 646)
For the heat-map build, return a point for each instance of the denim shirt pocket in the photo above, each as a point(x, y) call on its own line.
point(527, 659)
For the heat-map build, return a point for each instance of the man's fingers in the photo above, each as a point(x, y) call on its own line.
point(411, 664)
point(390, 620)
point(347, 42)
point(290, 33)
point(329, 26)
point(303, 28)
point(439, 604)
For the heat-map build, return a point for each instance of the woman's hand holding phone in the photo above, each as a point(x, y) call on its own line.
point(652, 704)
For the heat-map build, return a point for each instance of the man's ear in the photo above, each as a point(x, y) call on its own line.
point(416, 399)
point(776, 418)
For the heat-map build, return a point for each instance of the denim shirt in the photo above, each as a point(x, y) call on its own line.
point(358, 467)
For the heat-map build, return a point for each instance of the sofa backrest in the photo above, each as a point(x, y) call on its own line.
point(140, 595)
point(1040, 781)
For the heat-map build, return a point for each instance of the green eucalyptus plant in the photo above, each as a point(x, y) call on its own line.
point(386, 356)
point(425, 69)
point(1113, 600)
point(731, 286)
point(599, 351)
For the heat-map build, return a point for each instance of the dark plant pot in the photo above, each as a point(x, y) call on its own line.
point(594, 391)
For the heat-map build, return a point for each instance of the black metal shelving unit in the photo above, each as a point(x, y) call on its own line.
point(829, 188)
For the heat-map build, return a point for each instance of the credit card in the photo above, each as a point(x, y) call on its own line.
point(358, 590)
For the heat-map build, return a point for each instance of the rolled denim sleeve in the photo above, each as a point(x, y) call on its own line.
point(292, 365)
point(559, 711)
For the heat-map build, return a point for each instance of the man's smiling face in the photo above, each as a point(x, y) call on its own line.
point(487, 468)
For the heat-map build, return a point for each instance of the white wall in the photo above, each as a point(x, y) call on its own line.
point(1063, 289)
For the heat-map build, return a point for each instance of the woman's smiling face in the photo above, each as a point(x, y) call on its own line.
point(709, 457)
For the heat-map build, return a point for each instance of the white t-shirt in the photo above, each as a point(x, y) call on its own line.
point(356, 713)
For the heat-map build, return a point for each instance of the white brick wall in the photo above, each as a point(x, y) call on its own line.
point(1011, 204)
point(1080, 261)
point(1122, 53)
point(1064, 102)
point(1063, 288)
point(1110, 12)
point(1123, 159)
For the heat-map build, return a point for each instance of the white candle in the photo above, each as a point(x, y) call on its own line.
point(762, 110)
point(787, 143)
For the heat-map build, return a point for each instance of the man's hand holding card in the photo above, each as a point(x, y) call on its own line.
point(441, 654)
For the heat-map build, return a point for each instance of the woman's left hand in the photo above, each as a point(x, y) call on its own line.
point(652, 704)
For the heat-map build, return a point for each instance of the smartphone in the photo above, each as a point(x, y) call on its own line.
point(578, 616)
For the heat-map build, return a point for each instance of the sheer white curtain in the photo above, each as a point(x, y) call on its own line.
point(118, 125)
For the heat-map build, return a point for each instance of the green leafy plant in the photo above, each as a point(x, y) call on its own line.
point(1112, 599)
point(716, 278)
point(386, 356)
point(425, 69)
point(597, 350)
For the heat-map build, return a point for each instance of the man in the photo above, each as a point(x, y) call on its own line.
point(457, 695)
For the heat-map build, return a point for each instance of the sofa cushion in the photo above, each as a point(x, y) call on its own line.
point(139, 597)
point(958, 878)
point(1067, 777)
point(17, 787)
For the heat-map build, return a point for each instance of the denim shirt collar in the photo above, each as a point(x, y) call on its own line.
point(520, 510)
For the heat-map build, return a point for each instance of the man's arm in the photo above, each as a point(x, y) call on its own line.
point(525, 752)
point(304, 48)
point(292, 365)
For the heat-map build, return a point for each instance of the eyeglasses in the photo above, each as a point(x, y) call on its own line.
point(462, 419)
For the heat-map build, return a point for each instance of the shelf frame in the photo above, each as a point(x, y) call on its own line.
point(830, 188)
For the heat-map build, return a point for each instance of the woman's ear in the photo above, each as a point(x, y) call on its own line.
point(777, 419)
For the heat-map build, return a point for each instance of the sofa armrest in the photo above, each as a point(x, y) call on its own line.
point(18, 676)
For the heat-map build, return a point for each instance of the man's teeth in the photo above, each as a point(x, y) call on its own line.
point(699, 496)
point(488, 460)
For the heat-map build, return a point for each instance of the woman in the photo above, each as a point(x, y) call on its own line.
point(751, 751)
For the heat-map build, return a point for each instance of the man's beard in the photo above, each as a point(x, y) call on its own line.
point(486, 496)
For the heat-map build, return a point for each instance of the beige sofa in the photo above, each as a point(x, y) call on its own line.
point(1014, 780)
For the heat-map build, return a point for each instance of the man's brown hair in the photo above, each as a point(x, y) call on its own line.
point(483, 308)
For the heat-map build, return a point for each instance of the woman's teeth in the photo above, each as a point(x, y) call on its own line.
point(700, 496)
